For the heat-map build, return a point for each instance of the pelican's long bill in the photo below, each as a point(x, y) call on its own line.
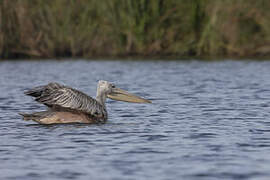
point(121, 95)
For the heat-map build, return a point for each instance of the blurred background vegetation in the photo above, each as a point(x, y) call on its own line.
point(147, 28)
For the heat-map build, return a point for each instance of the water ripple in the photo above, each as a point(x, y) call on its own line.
point(208, 120)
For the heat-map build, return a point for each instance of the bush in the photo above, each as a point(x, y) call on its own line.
point(77, 28)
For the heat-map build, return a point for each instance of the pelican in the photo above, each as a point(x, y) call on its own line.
point(68, 105)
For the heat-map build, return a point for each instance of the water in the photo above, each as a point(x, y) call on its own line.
point(208, 120)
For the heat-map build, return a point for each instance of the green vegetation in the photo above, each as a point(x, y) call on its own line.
point(111, 28)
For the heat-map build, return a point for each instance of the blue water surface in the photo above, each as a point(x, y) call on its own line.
point(208, 120)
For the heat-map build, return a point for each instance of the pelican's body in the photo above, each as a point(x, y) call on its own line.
point(68, 105)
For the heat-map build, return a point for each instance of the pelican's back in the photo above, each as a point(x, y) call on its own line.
point(65, 105)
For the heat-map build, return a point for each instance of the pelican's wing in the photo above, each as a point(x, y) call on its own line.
point(58, 96)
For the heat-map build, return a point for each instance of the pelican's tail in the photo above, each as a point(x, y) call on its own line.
point(36, 116)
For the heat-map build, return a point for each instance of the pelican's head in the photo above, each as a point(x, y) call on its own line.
point(110, 91)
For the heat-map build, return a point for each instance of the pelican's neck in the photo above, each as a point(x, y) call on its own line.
point(101, 98)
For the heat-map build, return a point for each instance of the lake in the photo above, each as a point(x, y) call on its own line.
point(208, 120)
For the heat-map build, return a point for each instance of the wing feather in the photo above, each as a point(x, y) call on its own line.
point(56, 95)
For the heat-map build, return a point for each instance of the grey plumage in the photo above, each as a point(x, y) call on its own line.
point(63, 98)
point(68, 105)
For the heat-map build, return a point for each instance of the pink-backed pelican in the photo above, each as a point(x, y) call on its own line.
point(68, 105)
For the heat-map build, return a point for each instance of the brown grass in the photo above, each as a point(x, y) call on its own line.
point(77, 28)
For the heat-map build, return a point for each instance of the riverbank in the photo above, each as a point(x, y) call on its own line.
point(146, 28)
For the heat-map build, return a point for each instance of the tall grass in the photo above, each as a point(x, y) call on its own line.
point(236, 28)
point(78, 28)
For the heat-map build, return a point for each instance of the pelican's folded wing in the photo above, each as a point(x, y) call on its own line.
point(58, 96)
